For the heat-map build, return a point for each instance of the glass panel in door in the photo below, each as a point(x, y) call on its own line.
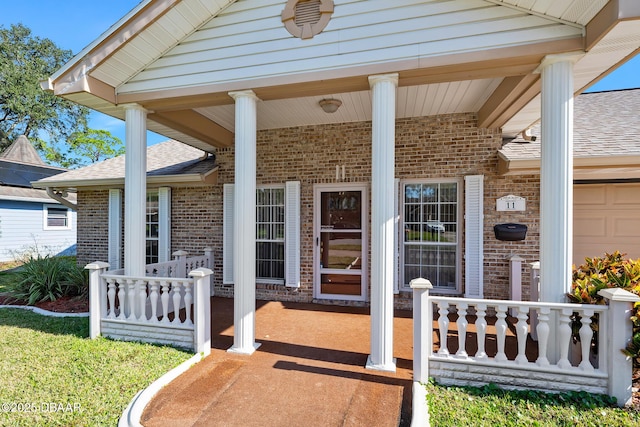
point(341, 244)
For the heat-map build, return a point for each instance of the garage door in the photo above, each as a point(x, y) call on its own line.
point(606, 219)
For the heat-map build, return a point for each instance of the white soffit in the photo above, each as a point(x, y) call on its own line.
point(622, 41)
point(578, 12)
point(158, 38)
point(412, 101)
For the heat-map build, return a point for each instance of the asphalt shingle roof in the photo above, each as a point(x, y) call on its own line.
point(605, 124)
point(166, 158)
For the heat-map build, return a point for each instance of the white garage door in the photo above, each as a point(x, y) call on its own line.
point(606, 219)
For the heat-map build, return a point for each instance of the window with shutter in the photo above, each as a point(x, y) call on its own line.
point(277, 234)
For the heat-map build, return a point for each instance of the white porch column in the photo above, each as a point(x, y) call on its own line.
point(135, 190)
point(244, 224)
point(382, 220)
point(556, 177)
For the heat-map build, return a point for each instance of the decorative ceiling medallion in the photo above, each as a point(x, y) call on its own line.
point(306, 18)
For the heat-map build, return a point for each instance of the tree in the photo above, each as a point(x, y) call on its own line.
point(26, 109)
point(86, 147)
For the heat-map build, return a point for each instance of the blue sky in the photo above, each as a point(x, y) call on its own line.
point(73, 24)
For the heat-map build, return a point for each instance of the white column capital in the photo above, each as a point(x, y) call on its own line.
point(548, 60)
point(378, 78)
point(134, 106)
point(243, 94)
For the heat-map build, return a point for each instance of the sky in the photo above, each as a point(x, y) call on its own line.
point(73, 24)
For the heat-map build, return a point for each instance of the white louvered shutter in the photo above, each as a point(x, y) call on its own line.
point(292, 234)
point(396, 236)
point(115, 228)
point(164, 224)
point(474, 241)
point(227, 234)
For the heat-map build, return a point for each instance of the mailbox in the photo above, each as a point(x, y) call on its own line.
point(510, 232)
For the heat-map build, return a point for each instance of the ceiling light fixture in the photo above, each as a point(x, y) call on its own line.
point(330, 105)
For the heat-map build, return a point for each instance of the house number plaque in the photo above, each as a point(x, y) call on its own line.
point(511, 203)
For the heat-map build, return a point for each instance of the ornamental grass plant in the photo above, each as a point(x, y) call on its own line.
point(46, 278)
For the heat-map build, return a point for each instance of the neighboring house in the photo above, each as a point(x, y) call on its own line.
point(31, 221)
point(606, 151)
point(347, 136)
point(178, 179)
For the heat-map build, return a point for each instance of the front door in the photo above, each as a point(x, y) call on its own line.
point(340, 239)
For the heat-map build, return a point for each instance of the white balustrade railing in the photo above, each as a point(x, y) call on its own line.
point(181, 264)
point(517, 360)
point(148, 300)
point(151, 308)
point(565, 313)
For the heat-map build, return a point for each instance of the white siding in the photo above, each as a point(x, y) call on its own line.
point(22, 230)
point(248, 40)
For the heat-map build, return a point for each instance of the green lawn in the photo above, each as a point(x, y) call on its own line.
point(50, 368)
point(491, 407)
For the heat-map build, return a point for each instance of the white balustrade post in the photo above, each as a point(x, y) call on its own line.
point(534, 295)
point(208, 253)
point(443, 327)
point(244, 224)
point(181, 257)
point(586, 335)
point(618, 335)
point(515, 280)
point(422, 328)
point(202, 310)
point(481, 331)
point(501, 332)
point(383, 124)
point(462, 331)
point(97, 298)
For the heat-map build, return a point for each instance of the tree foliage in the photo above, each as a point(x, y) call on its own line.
point(86, 147)
point(26, 109)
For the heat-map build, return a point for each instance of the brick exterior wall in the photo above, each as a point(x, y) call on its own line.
point(446, 146)
point(93, 226)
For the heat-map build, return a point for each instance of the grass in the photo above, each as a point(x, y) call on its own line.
point(49, 363)
point(491, 406)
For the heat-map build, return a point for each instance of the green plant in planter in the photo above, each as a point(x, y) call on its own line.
point(610, 271)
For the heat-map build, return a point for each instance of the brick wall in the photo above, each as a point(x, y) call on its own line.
point(93, 226)
point(447, 146)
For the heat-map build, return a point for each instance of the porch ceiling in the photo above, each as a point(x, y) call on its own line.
point(489, 74)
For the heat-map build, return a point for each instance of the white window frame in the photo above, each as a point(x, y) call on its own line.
point(45, 218)
point(153, 192)
point(268, 280)
point(459, 233)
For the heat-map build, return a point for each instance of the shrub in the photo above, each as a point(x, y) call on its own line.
point(47, 279)
point(610, 271)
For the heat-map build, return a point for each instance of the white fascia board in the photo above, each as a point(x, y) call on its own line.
point(195, 178)
point(532, 166)
point(72, 63)
point(29, 199)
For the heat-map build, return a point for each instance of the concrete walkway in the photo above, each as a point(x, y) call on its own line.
point(309, 371)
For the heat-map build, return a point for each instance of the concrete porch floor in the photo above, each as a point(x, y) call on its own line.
point(308, 371)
